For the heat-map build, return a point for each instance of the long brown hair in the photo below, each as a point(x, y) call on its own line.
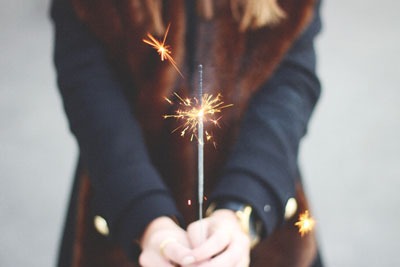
point(250, 14)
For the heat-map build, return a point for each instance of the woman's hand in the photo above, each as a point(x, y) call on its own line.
point(164, 244)
point(219, 241)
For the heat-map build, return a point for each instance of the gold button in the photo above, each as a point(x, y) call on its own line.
point(291, 208)
point(101, 225)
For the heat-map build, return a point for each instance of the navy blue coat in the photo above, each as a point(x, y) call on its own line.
point(112, 146)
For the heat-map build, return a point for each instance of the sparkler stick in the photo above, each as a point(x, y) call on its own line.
point(195, 113)
point(200, 146)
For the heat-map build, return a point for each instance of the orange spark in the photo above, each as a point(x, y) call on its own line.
point(305, 223)
point(191, 113)
point(163, 50)
point(169, 101)
point(208, 136)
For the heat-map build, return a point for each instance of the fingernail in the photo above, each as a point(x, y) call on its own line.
point(188, 260)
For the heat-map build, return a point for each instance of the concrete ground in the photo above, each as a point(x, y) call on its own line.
point(350, 157)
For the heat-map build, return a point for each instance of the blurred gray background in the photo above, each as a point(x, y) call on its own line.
point(350, 157)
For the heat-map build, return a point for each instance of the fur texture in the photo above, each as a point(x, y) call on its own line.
point(235, 64)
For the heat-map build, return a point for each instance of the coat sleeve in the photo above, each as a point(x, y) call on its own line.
point(262, 167)
point(110, 140)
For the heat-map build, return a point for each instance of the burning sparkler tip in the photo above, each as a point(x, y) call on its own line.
point(192, 114)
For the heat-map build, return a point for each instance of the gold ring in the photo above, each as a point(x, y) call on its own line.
point(164, 243)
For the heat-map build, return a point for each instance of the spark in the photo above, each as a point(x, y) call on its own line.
point(305, 223)
point(169, 101)
point(163, 50)
point(190, 112)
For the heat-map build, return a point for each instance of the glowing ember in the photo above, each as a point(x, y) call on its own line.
point(163, 50)
point(305, 223)
point(190, 113)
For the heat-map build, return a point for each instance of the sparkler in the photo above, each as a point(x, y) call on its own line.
point(191, 111)
point(200, 146)
point(305, 223)
point(163, 50)
point(194, 117)
point(195, 113)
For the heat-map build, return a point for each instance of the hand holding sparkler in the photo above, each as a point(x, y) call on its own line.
point(164, 241)
point(225, 243)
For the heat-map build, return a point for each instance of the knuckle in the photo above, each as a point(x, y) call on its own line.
point(220, 243)
point(223, 238)
point(143, 259)
point(245, 240)
point(192, 228)
point(155, 237)
point(171, 252)
point(159, 237)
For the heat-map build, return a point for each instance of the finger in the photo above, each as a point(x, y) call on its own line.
point(244, 262)
point(237, 250)
point(151, 259)
point(178, 253)
point(197, 232)
point(196, 264)
point(215, 244)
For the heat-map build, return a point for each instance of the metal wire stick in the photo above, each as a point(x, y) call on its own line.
point(201, 147)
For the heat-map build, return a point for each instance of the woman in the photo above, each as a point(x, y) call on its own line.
point(135, 178)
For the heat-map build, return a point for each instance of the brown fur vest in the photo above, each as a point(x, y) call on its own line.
point(235, 64)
